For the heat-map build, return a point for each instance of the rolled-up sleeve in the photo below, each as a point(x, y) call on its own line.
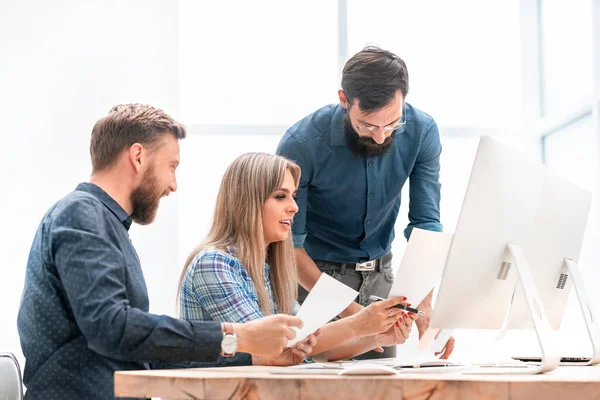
point(289, 147)
point(425, 187)
point(93, 271)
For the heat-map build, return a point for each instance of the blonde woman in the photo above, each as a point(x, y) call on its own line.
point(245, 268)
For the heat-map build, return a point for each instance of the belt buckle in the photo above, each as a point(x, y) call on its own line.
point(366, 266)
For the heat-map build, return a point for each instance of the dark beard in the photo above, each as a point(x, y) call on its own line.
point(364, 146)
point(145, 199)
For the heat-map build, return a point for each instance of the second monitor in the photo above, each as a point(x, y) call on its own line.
point(502, 211)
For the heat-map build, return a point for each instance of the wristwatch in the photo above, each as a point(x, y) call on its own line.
point(229, 344)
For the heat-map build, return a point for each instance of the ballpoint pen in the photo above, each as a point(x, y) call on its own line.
point(401, 306)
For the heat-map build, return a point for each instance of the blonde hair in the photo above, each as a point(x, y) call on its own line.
point(237, 221)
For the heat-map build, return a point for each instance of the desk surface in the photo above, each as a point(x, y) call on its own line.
point(258, 383)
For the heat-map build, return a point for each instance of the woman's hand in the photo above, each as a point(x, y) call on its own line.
point(377, 317)
point(398, 333)
point(293, 355)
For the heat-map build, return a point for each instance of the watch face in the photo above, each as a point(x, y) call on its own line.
point(229, 344)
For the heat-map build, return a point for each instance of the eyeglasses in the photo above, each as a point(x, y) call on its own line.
point(386, 129)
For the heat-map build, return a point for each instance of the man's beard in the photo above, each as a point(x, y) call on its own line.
point(365, 146)
point(145, 199)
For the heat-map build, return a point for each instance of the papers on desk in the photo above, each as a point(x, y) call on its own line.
point(422, 265)
point(309, 369)
point(326, 300)
point(373, 367)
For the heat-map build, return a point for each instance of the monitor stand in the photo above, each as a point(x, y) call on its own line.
point(586, 310)
point(550, 358)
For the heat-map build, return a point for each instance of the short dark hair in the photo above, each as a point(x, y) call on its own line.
point(373, 76)
point(125, 125)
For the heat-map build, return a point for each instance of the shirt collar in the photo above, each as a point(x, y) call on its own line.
point(108, 201)
point(337, 127)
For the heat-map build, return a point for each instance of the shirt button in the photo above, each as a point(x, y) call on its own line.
point(371, 195)
point(370, 164)
point(368, 222)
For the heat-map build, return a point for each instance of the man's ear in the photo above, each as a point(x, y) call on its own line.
point(136, 154)
point(343, 99)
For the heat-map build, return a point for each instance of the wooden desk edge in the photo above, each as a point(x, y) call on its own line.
point(256, 382)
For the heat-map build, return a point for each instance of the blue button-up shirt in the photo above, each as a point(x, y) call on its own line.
point(84, 309)
point(348, 205)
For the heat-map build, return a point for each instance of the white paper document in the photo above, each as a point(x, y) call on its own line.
point(422, 265)
point(373, 367)
point(327, 299)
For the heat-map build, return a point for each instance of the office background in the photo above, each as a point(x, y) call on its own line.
point(239, 73)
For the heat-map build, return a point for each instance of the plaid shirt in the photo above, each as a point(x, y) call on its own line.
point(216, 287)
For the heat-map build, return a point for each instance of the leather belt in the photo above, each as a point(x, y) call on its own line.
point(366, 266)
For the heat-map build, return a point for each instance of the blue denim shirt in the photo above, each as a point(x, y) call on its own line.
point(348, 205)
point(84, 309)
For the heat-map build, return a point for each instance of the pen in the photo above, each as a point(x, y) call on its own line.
point(401, 306)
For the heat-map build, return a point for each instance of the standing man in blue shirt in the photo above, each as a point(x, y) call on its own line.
point(356, 157)
point(84, 309)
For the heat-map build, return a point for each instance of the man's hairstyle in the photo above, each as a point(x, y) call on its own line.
point(373, 76)
point(125, 125)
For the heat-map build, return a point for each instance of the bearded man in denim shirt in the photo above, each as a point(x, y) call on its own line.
point(84, 309)
point(356, 157)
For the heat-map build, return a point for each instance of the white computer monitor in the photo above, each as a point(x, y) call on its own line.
point(499, 208)
point(552, 253)
point(486, 260)
point(558, 232)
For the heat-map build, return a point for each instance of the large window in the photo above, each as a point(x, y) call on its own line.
point(256, 63)
point(572, 153)
point(565, 120)
point(565, 117)
point(566, 53)
point(462, 56)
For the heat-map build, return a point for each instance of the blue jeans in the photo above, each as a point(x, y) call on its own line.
point(377, 282)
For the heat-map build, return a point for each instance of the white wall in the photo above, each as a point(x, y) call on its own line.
point(64, 65)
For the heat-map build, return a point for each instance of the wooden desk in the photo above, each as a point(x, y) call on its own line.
point(257, 383)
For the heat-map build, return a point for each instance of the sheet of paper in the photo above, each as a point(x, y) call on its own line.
point(327, 299)
point(308, 369)
point(409, 364)
point(422, 265)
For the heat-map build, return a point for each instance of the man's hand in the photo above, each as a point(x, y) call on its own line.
point(423, 323)
point(266, 336)
point(447, 350)
point(291, 355)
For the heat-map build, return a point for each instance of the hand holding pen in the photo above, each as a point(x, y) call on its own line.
point(401, 306)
